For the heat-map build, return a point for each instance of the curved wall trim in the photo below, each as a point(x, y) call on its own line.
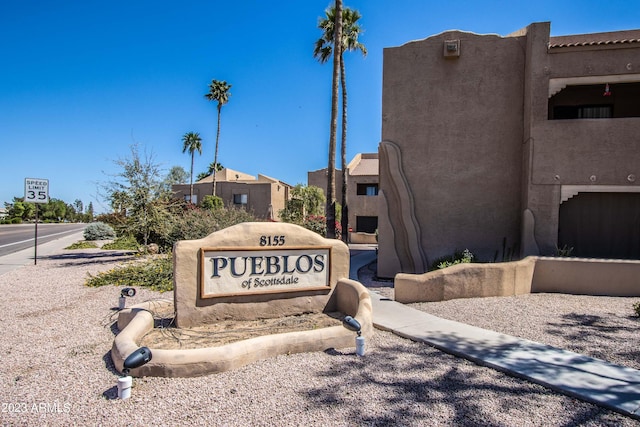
point(401, 210)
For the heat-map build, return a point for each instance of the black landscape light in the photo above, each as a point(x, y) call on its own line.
point(124, 293)
point(353, 325)
point(128, 292)
point(136, 359)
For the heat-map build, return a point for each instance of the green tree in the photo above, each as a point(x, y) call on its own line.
point(351, 31)
point(305, 201)
point(78, 206)
point(89, 214)
point(139, 185)
point(15, 209)
point(53, 211)
point(176, 175)
point(212, 166)
point(191, 142)
point(20, 209)
point(219, 92)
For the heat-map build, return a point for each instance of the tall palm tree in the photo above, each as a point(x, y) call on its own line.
point(191, 142)
point(219, 92)
point(351, 31)
point(331, 167)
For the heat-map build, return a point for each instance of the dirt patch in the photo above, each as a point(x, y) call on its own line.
point(228, 331)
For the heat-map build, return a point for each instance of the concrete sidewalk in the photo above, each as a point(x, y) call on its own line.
point(18, 259)
point(592, 380)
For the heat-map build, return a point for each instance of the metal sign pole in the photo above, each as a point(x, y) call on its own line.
point(35, 247)
point(36, 191)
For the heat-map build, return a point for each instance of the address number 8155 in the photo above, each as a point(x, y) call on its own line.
point(272, 240)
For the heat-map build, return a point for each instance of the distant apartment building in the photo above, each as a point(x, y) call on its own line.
point(523, 144)
point(362, 195)
point(263, 196)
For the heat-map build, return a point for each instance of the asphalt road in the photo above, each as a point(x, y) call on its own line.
point(16, 237)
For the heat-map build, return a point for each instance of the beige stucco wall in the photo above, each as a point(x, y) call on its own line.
point(468, 147)
point(532, 274)
point(458, 123)
point(262, 197)
point(349, 298)
point(466, 281)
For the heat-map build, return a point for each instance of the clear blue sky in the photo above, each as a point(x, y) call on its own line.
point(80, 80)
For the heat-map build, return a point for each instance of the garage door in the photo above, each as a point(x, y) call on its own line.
point(601, 225)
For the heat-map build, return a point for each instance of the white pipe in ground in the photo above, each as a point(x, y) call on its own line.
point(124, 387)
point(360, 345)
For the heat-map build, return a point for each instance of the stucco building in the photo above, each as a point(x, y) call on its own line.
point(520, 144)
point(263, 196)
point(362, 194)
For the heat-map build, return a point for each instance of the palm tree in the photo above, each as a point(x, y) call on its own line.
point(191, 142)
point(219, 92)
point(323, 50)
point(331, 167)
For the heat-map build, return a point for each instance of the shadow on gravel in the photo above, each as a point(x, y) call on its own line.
point(108, 363)
point(83, 258)
point(111, 394)
point(367, 275)
point(580, 328)
point(417, 383)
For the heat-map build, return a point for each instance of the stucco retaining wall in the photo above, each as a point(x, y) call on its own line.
point(532, 274)
point(349, 297)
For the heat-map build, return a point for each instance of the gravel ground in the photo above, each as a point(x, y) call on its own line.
point(56, 370)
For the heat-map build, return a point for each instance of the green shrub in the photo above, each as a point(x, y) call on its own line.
point(117, 220)
point(318, 223)
point(210, 202)
point(155, 273)
point(457, 258)
point(16, 221)
point(99, 231)
point(127, 243)
point(195, 223)
point(82, 245)
point(636, 308)
point(564, 251)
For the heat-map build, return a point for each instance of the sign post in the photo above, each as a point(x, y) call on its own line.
point(36, 190)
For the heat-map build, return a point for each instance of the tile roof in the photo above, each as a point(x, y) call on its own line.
point(595, 39)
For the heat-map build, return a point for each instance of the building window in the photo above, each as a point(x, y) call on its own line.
point(240, 199)
point(366, 224)
point(367, 190)
point(188, 199)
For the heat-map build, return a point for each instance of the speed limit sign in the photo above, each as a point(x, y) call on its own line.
point(36, 190)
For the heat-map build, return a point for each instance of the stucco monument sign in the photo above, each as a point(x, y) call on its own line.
point(231, 272)
point(255, 270)
point(248, 272)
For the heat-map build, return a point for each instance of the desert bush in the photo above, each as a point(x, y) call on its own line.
point(155, 273)
point(195, 223)
point(82, 245)
point(210, 202)
point(123, 243)
point(318, 223)
point(564, 251)
point(636, 308)
point(457, 258)
point(99, 231)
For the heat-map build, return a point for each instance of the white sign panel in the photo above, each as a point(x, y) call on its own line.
point(36, 190)
point(231, 272)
